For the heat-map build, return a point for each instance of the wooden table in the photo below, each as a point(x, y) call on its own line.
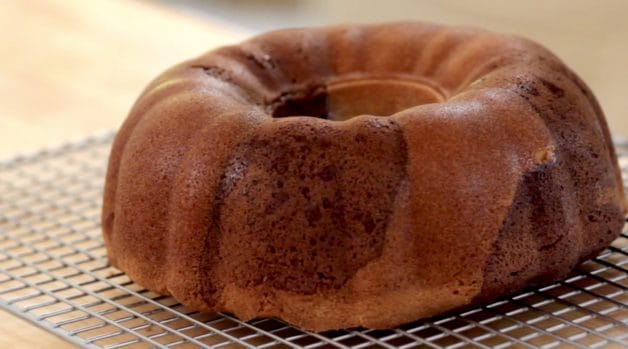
point(70, 67)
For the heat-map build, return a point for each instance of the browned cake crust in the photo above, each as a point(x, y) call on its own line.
point(494, 170)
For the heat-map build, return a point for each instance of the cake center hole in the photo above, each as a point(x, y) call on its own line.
point(343, 100)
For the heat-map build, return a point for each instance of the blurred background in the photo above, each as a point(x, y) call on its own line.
point(70, 68)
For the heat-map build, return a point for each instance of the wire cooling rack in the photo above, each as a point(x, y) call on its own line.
point(54, 273)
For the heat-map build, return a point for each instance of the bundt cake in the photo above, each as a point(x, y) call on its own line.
point(363, 175)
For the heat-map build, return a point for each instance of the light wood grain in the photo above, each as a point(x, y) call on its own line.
point(70, 67)
point(17, 333)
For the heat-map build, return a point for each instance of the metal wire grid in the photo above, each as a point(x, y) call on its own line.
point(53, 272)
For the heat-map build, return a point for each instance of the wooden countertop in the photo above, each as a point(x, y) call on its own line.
point(75, 67)
point(69, 68)
point(18, 333)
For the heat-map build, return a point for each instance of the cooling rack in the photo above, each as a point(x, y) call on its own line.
point(54, 273)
